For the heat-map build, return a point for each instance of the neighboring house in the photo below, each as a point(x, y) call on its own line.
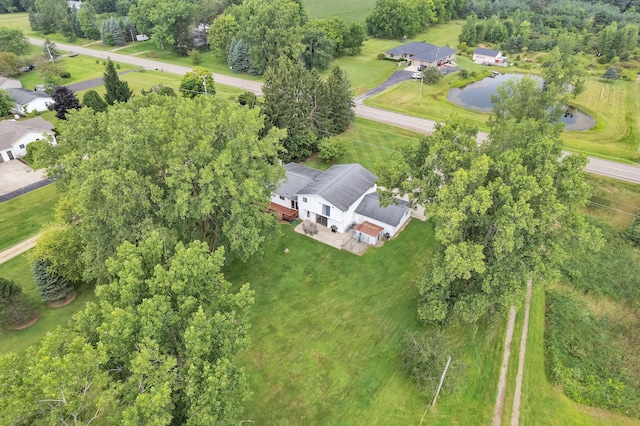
point(425, 54)
point(16, 135)
point(72, 4)
point(9, 83)
point(341, 198)
point(489, 57)
point(30, 100)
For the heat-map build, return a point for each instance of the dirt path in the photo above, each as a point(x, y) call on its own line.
point(502, 383)
point(18, 249)
point(515, 413)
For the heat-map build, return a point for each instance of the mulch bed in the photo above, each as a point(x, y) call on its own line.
point(27, 324)
point(65, 302)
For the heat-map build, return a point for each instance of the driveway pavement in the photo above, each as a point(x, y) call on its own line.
point(395, 78)
point(15, 175)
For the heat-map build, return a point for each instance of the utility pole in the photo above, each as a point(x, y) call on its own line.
point(420, 95)
point(204, 80)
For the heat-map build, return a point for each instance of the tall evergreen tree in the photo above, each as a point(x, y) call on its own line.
point(339, 100)
point(51, 286)
point(116, 89)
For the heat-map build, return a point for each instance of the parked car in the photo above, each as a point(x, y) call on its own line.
point(416, 75)
point(421, 67)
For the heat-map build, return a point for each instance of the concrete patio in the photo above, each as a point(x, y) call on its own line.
point(341, 241)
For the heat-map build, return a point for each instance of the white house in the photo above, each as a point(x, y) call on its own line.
point(425, 54)
point(30, 100)
point(484, 56)
point(342, 198)
point(16, 135)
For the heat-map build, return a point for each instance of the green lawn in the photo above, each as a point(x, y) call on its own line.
point(22, 217)
point(368, 143)
point(19, 270)
point(350, 11)
point(80, 67)
point(326, 331)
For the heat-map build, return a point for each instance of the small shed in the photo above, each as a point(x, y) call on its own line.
point(369, 233)
point(485, 56)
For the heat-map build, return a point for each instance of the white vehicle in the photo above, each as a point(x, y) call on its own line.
point(416, 75)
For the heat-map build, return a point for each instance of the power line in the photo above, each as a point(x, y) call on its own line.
point(616, 210)
point(617, 202)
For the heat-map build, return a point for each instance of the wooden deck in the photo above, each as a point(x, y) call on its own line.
point(284, 212)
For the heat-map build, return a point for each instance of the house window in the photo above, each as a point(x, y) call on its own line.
point(281, 197)
point(21, 146)
point(308, 215)
point(326, 210)
point(304, 199)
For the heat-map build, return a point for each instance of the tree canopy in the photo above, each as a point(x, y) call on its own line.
point(116, 89)
point(199, 81)
point(158, 348)
point(64, 100)
point(6, 102)
point(200, 172)
point(501, 210)
point(13, 40)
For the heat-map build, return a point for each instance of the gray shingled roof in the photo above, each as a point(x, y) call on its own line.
point(298, 176)
point(487, 52)
point(341, 185)
point(11, 131)
point(391, 215)
point(422, 51)
point(24, 96)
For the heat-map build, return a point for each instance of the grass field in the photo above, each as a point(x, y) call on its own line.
point(80, 67)
point(616, 108)
point(616, 202)
point(19, 269)
point(368, 143)
point(350, 11)
point(22, 217)
point(326, 331)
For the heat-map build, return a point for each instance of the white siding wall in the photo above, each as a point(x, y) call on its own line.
point(285, 203)
point(26, 140)
point(4, 155)
point(342, 220)
point(392, 230)
point(39, 104)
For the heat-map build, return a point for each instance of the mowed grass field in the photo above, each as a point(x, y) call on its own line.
point(349, 10)
point(616, 107)
point(23, 216)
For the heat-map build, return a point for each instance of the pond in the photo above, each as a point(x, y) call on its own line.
point(477, 96)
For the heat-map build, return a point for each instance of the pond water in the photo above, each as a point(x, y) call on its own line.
point(477, 96)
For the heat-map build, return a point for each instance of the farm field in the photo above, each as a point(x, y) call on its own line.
point(23, 216)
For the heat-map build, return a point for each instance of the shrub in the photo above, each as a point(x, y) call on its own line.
point(36, 153)
point(632, 234)
point(195, 55)
point(381, 56)
point(331, 148)
point(117, 66)
point(424, 358)
point(464, 74)
point(247, 98)
point(65, 74)
point(16, 308)
point(51, 286)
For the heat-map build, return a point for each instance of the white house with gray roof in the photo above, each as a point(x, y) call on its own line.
point(425, 54)
point(28, 101)
point(16, 135)
point(485, 56)
point(342, 198)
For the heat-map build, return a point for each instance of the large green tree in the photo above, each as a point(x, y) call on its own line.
point(116, 90)
point(51, 286)
point(319, 49)
point(501, 211)
point(273, 29)
point(165, 21)
point(221, 32)
point(199, 81)
point(199, 172)
point(158, 348)
point(397, 18)
point(564, 67)
point(13, 40)
point(16, 308)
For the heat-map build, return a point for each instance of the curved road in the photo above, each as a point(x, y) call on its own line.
point(595, 165)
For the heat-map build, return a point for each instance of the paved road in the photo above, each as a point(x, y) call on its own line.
point(595, 165)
